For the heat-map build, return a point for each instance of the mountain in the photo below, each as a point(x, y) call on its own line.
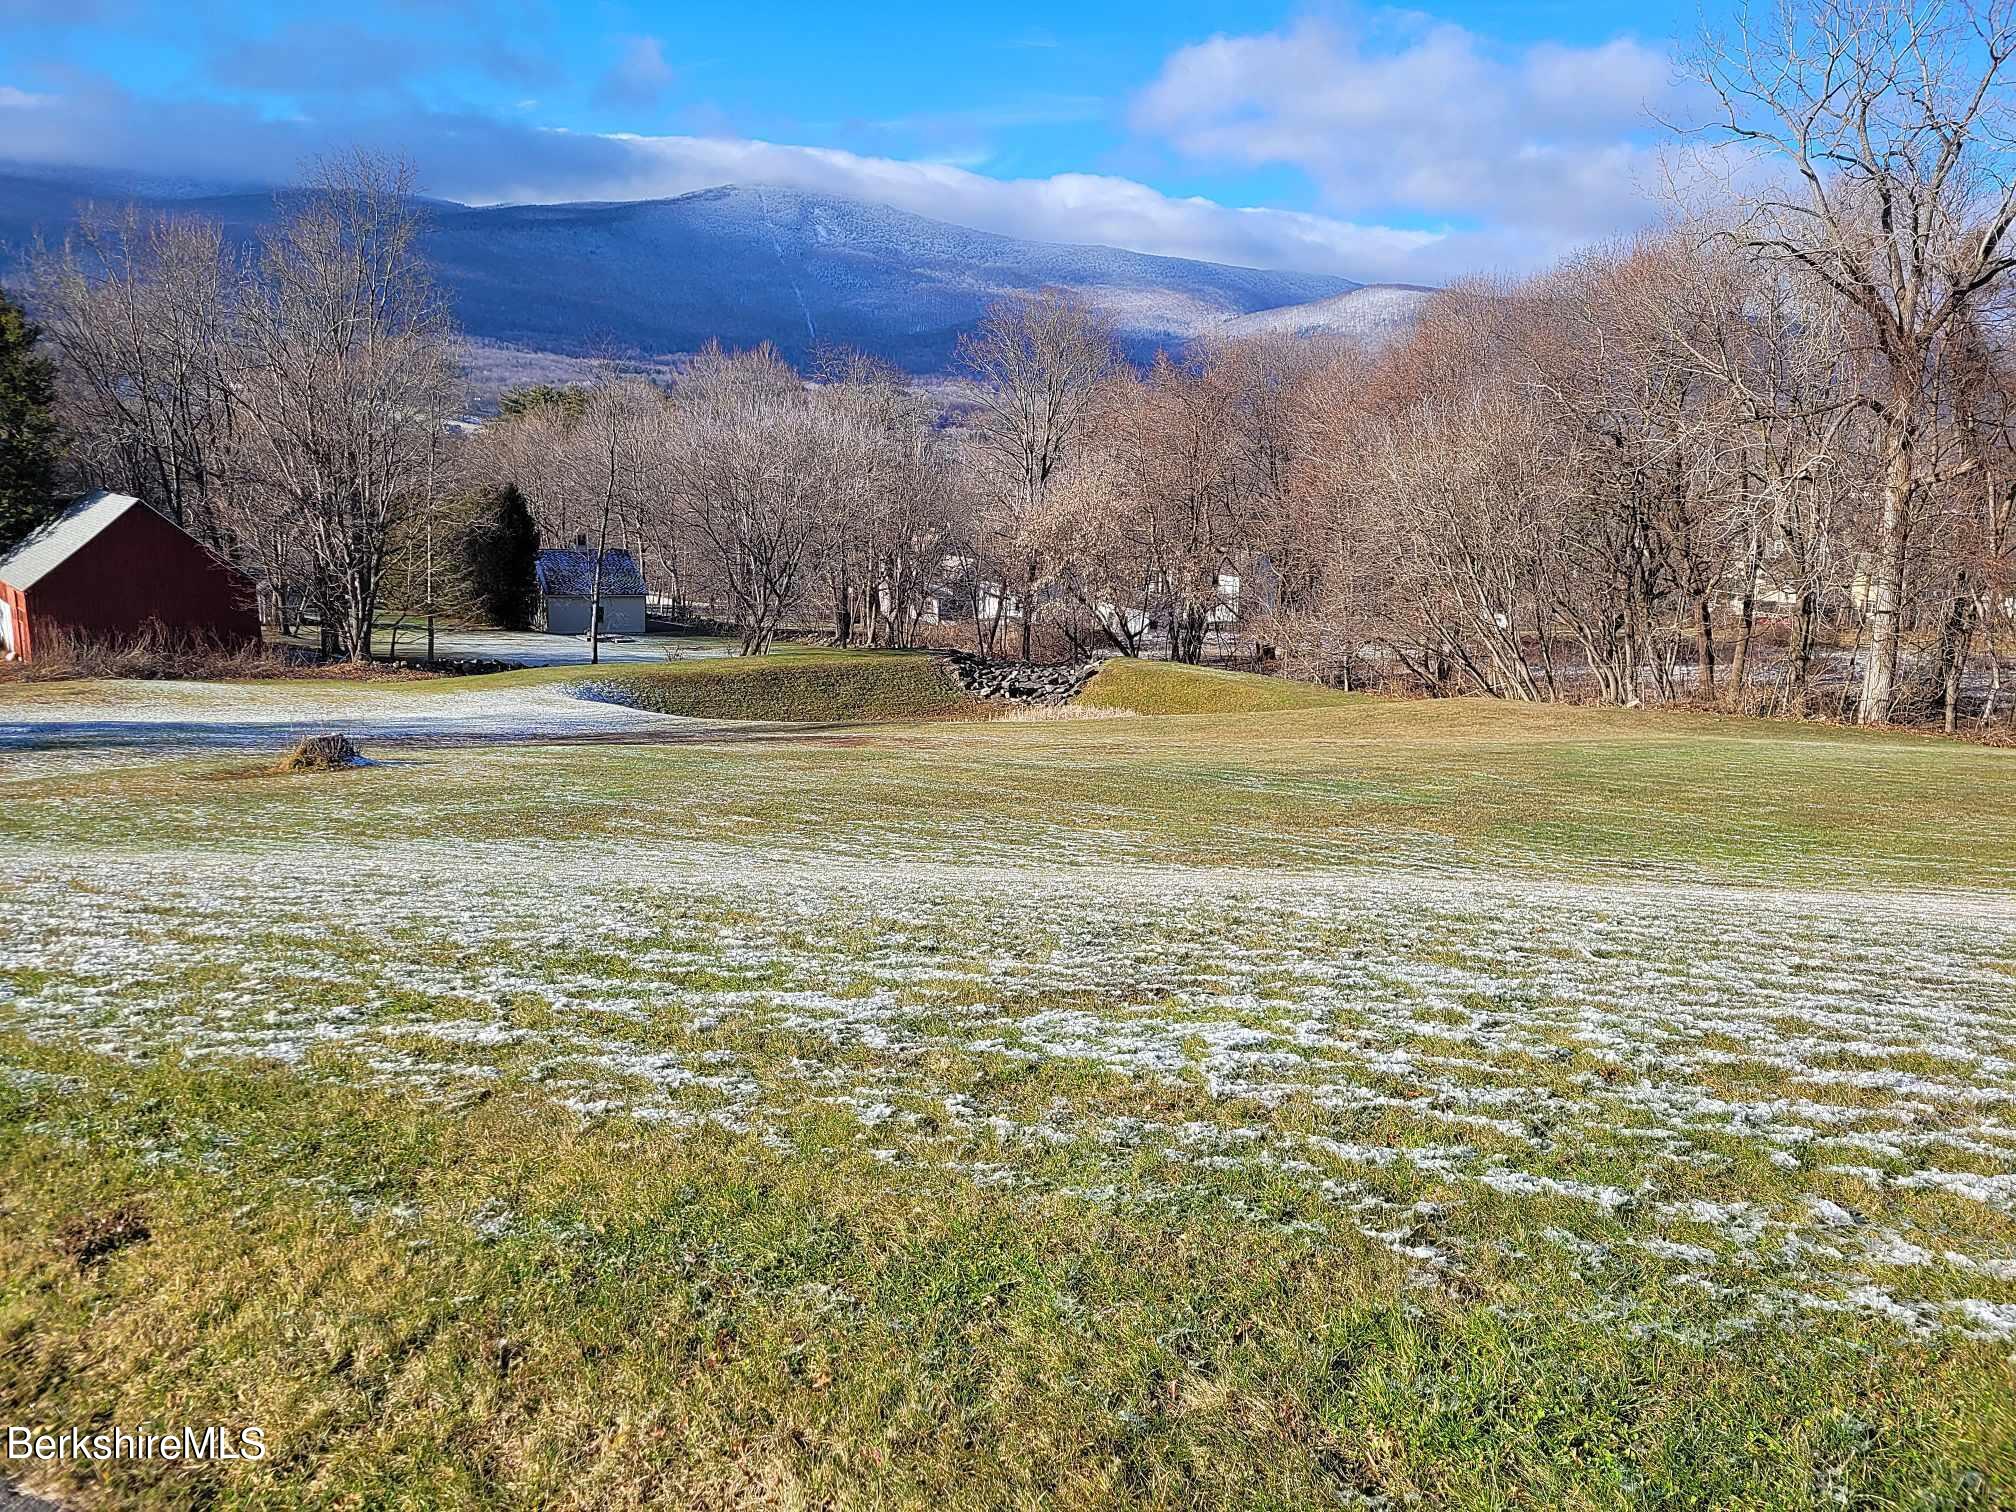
point(740, 264)
point(744, 265)
point(1372, 312)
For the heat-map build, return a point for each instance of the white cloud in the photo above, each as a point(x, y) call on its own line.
point(1435, 152)
point(489, 160)
point(639, 76)
point(1067, 207)
point(1550, 145)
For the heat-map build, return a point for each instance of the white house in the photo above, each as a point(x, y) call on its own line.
point(567, 587)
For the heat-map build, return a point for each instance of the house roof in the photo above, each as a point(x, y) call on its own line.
point(569, 572)
point(55, 541)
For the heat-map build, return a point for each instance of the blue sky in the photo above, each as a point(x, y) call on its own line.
point(1369, 141)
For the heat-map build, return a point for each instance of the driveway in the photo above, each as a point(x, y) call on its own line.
point(535, 648)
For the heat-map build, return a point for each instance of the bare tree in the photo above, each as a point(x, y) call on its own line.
point(882, 537)
point(624, 428)
point(1091, 528)
point(1771, 342)
point(1896, 122)
point(1038, 364)
point(1177, 493)
point(1972, 565)
point(756, 465)
point(141, 314)
point(344, 366)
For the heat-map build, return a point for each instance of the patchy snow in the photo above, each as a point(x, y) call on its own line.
point(127, 723)
point(535, 648)
point(1412, 1051)
point(1782, 1098)
point(1374, 314)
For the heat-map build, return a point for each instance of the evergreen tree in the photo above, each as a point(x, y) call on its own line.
point(529, 398)
point(498, 555)
point(27, 427)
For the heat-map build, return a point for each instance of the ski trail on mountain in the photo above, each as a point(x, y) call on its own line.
point(763, 204)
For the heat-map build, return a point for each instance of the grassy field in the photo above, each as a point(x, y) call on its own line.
point(1368, 1103)
point(1145, 687)
point(795, 685)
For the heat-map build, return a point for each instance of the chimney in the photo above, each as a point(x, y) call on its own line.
point(581, 540)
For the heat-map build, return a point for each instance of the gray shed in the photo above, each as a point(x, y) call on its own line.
point(567, 585)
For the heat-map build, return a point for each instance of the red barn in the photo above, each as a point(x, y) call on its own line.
point(108, 567)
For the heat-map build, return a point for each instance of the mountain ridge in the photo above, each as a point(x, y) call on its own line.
point(1373, 313)
point(739, 264)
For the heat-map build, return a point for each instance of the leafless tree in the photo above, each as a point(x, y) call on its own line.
point(756, 465)
point(343, 368)
point(1889, 133)
point(1038, 364)
point(141, 314)
point(883, 537)
point(1771, 343)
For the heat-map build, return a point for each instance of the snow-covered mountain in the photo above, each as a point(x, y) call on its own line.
point(1372, 313)
point(740, 265)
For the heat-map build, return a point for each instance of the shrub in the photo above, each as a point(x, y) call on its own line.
point(158, 653)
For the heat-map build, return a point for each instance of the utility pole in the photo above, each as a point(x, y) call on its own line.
point(433, 437)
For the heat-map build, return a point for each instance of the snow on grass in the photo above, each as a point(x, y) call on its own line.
point(130, 724)
point(1797, 1098)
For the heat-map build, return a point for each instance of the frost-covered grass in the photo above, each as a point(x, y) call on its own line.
point(61, 726)
point(1449, 1105)
point(96, 724)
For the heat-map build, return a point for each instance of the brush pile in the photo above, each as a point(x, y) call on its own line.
point(322, 753)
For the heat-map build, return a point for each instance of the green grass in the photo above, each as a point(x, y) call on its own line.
point(1147, 687)
point(705, 1321)
point(1365, 782)
point(937, 1112)
point(793, 685)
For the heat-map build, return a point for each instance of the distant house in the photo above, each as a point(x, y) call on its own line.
point(110, 568)
point(567, 588)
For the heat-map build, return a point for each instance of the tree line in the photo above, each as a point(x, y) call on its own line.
point(1764, 456)
point(282, 402)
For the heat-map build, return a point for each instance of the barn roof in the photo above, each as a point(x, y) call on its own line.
point(569, 572)
point(55, 541)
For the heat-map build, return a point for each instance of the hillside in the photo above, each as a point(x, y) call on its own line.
point(749, 264)
point(737, 264)
point(790, 685)
point(1372, 312)
point(1152, 687)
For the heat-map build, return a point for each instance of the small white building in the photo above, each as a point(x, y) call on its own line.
point(567, 588)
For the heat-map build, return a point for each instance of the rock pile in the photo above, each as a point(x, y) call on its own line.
point(1021, 682)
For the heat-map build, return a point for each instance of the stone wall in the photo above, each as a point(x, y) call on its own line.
point(1020, 682)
